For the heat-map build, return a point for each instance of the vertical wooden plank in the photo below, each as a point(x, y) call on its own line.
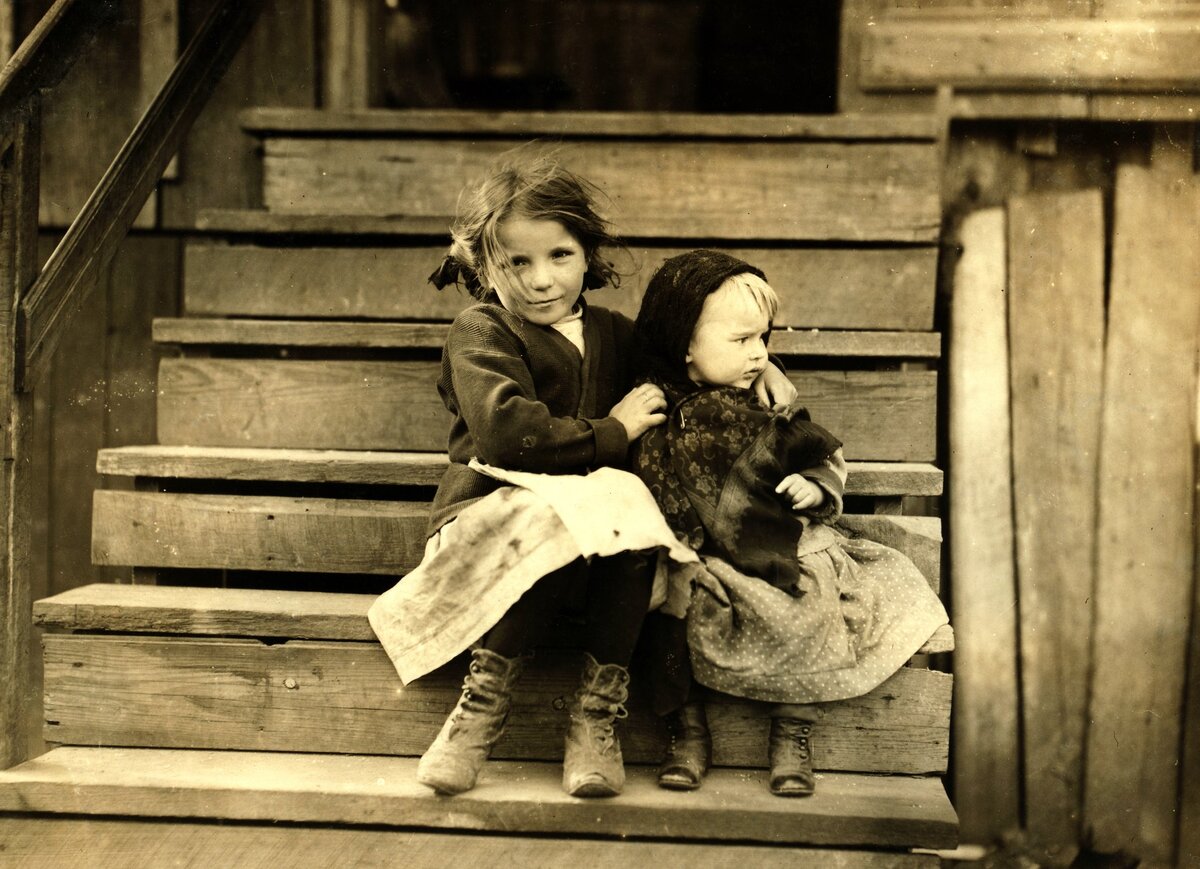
point(276, 66)
point(1056, 336)
point(983, 594)
point(350, 79)
point(1189, 800)
point(77, 397)
point(1145, 543)
point(158, 49)
point(18, 265)
point(8, 29)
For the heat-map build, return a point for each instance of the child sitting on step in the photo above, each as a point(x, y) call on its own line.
point(786, 609)
point(538, 383)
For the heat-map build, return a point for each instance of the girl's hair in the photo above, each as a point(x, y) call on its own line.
point(673, 303)
point(523, 184)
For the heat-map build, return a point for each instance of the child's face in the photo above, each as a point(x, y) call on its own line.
point(728, 346)
point(546, 264)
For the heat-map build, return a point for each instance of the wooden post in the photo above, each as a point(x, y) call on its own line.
point(351, 54)
point(981, 540)
point(1056, 336)
point(1145, 551)
point(19, 168)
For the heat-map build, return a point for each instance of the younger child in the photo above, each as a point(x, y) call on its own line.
point(538, 383)
point(787, 610)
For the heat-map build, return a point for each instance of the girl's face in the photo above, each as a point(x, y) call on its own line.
point(728, 346)
point(545, 264)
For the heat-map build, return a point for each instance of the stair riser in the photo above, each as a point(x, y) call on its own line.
point(878, 288)
point(182, 692)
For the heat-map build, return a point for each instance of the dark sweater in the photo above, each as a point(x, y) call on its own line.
point(523, 399)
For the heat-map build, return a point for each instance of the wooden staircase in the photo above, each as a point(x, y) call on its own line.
point(236, 684)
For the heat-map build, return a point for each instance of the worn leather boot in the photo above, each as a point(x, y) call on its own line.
point(689, 748)
point(592, 762)
point(452, 762)
point(789, 750)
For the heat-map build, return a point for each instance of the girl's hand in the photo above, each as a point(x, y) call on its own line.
point(801, 491)
point(641, 410)
point(773, 388)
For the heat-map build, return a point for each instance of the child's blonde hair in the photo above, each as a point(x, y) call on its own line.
point(523, 183)
point(763, 294)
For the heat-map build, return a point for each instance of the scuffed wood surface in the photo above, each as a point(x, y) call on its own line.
point(1145, 577)
point(376, 405)
point(876, 288)
point(984, 602)
point(124, 842)
point(345, 697)
point(733, 805)
point(408, 469)
point(730, 190)
point(1056, 336)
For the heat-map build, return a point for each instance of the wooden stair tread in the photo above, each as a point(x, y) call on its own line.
point(406, 468)
point(894, 811)
point(332, 333)
point(129, 843)
point(235, 612)
point(377, 122)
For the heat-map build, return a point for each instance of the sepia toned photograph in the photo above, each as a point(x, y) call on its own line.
point(548, 433)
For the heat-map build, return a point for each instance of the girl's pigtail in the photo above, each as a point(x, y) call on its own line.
point(449, 272)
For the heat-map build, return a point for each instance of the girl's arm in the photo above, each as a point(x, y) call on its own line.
point(510, 427)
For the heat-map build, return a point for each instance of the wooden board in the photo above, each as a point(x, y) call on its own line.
point(411, 469)
point(1054, 54)
point(730, 190)
point(733, 805)
point(409, 122)
point(125, 843)
point(981, 545)
point(234, 612)
point(375, 405)
point(160, 529)
point(842, 288)
point(1056, 336)
point(1146, 551)
point(217, 331)
point(344, 697)
point(152, 529)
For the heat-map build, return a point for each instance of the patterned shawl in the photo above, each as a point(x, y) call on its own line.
point(713, 467)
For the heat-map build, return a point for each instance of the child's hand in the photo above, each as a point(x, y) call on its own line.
point(641, 410)
point(801, 491)
point(773, 388)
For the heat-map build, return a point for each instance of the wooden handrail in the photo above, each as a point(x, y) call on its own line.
point(44, 57)
point(96, 233)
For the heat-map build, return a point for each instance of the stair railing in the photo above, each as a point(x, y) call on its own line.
point(36, 306)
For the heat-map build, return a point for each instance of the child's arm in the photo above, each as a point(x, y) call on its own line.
point(817, 490)
point(497, 397)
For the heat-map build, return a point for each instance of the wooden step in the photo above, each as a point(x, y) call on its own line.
point(393, 404)
point(130, 843)
point(877, 288)
point(407, 469)
point(332, 535)
point(330, 688)
point(209, 331)
point(740, 187)
point(234, 612)
point(345, 698)
point(265, 121)
point(511, 797)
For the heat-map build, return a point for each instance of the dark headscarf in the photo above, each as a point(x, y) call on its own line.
point(672, 305)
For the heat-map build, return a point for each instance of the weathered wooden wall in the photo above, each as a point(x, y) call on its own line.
point(1097, 284)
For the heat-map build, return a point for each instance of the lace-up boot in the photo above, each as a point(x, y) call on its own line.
point(452, 762)
point(789, 750)
point(689, 748)
point(592, 762)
